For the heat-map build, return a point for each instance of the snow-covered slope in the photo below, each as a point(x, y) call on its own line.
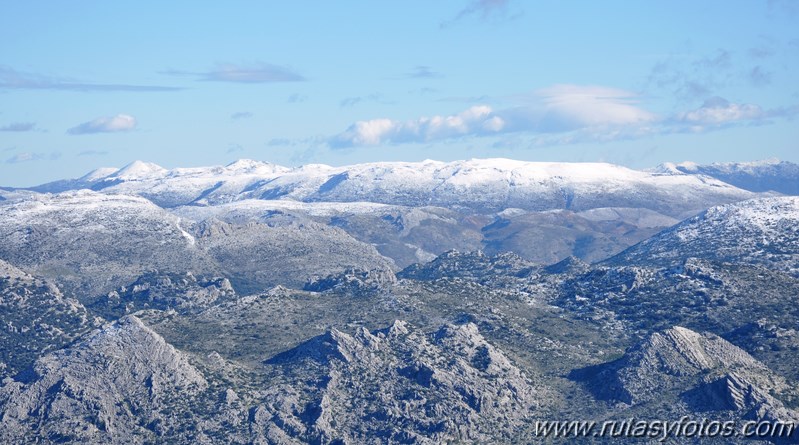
point(758, 176)
point(478, 184)
point(92, 243)
point(759, 231)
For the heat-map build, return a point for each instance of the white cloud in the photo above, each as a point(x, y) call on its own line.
point(561, 108)
point(718, 111)
point(477, 120)
point(109, 124)
point(577, 106)
point(561, 114)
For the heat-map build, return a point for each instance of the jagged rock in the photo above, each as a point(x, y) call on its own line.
point(474, 265)
point(397, 385)
point(355, 281)
point(568, 265)
point(183, 292)
point(720, 376)
point(118, 385)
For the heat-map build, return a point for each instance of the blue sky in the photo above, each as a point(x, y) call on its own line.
point(89, 84)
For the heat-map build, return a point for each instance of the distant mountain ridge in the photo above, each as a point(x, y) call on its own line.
point(758, 176)
point(483, 185)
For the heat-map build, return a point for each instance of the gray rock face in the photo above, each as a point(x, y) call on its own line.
point(355, 281)
point(109, 388)
point(719, 376)
point(592, 235)
point(474, 265)
point(397, 385)
point(182, 292)
point(256, 360)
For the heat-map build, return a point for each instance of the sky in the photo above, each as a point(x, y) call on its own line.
point(182, 84)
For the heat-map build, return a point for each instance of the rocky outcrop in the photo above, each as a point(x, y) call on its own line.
point(121, 384)
point(704, 371)
point(182, 292)
point(473, 265)
point(354, 281)
point(396, 385)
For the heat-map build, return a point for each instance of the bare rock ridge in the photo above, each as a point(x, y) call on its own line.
point(708, 373)
point(398, 385)
point(258, 304)
point(109, 388)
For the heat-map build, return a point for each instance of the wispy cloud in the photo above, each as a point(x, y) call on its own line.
point(241, 115)
point(423, 72)
point(233, 148)
point(693, 78)
point(278, 142)
point(718, 112)
point(569, 107)
point(482, 9)
point(92, 153)
point(19, 126)
point(16, 80)
point(355, 100)
point(759, 76)
point(108, 124)
point(297, 98)
point(259, 73)
point(31, 156)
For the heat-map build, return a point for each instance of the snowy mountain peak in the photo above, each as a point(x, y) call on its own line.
point(138, 170)
point(98, 174)
point(253, 166)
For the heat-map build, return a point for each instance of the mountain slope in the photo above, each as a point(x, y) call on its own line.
point(112, 387)
point(397, 385)
point(759, 231)
point(760, 176)
point(35, 318)
point(92, 243)
point(688, 372)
